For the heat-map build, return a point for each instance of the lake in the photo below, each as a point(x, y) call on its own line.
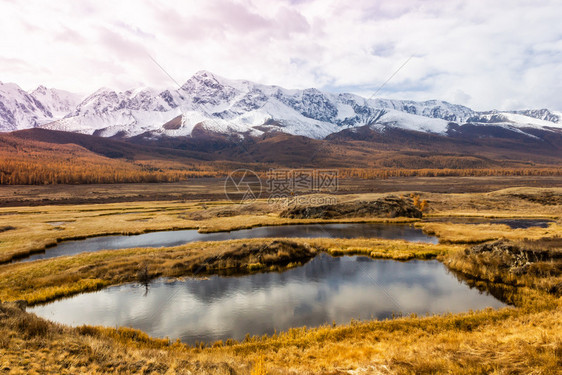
point(180, 237)
point(327, 289)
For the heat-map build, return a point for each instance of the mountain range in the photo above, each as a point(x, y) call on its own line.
point(210, 105)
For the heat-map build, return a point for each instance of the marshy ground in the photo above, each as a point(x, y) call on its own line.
point(524, 267)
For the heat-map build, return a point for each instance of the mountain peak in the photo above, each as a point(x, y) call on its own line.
point(10, 86)
point(203, 73)
point(233, 106)
point(40, 89)
point(206, 75)
point(102, 90)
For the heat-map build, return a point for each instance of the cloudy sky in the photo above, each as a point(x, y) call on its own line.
point(503, 54)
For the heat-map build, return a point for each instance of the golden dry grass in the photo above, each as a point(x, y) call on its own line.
point(507, 341)
point(476, 233)
point(535, 264)
point(30, 345)
point(45, 280)
point(36, 228)
point(518, 340)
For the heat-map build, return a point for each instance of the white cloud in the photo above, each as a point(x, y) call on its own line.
point(503, 54)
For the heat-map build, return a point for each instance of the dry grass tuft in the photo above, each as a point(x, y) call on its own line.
point(536, 264)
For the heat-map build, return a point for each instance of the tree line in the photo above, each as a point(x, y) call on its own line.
point(17, 172)
point(373, 173)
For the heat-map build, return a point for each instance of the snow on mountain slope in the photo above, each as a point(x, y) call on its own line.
point(107, 112)
point(541, 114)
point(431, 108)
point(511, 120)
point(124, 121)
point(252, 122)
point(58, 102)
point(238, 106)
point(19, 110)
point(241, 107)
point(409, 121)
point(531, 121)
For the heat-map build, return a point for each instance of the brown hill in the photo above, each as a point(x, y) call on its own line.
point(46, 156)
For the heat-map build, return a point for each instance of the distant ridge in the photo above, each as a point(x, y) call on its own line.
point(208, 103)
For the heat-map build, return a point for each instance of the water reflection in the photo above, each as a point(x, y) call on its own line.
point(503, 292)
point(326, 289)
point(512, 223)
point(176, 238)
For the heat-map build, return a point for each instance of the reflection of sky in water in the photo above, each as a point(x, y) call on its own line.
point(324, 290)
point(512, 223)
point(176, 238)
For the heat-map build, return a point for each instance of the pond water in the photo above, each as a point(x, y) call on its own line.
point(180, 237)
point(512, 223)
point(325, 290)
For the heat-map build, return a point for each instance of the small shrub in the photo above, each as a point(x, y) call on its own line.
point(87, 330)
point(32, 326)
point(143, 276)
point(218, 344)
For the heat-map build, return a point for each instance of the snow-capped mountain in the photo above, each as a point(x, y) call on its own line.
point(219, 105)
point(20, 110)
point(541, 114)
point(58, 102)
point(107, 112)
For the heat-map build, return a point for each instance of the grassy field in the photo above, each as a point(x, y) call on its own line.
point(25, 230)
point(510, 340)
point(30, 230)
point(212, 189)
point(525, 338)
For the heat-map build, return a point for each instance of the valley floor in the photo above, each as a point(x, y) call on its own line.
point(526, 338)
point(212, 189)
